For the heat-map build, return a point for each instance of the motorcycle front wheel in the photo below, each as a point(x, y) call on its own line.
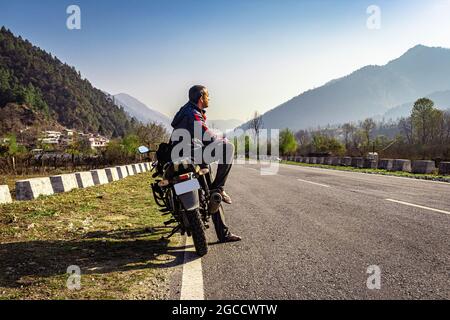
point(198, 232)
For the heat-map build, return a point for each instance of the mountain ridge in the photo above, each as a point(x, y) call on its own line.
point(441, 100)
point(365, 92)
point(139, 110)
point(31, 76)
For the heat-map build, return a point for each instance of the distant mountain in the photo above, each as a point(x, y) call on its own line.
point(366, 92)
point(30, 76)
point(441, 101)
point(224, 125)
point(143, 113)
point(140, 111)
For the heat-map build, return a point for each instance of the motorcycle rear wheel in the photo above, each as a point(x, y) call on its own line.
point(198, 232)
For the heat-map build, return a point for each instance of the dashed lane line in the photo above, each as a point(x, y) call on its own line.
point(315, 183)
point(418, 206)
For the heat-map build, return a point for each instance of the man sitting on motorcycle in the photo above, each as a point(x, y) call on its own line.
point(191, 116)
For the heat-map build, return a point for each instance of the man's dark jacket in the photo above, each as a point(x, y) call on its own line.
point(187, 116)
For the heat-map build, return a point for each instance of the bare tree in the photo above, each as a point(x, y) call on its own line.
point(405, 125)
point(303, 137)
point(447, 125)
point(256, 124)
point(348, 130)
point(358, 142)
point(368, 125)
point(152, 134)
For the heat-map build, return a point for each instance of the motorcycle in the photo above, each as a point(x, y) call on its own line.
point(182, 190)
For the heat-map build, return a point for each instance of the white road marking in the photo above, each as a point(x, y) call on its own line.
point(343, 172)
point(192, 282)
point(317, 184)
point(418, 206)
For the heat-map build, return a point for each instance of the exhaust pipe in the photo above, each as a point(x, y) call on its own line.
point(214, 202)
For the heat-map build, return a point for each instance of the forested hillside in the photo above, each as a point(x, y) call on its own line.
point(31, 76)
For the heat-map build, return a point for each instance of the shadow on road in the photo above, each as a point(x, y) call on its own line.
point(98, 252)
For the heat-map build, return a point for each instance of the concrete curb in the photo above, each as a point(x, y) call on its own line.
point(402, 165)
point(423, 166)
point(130, 170)
point(33, 188)
point(386, 164)
point(111, 174)
point(136, 169)
point(122, 172)
point(84, 179)
point(346, 161)
point(30, 189)
point(370, 164)
point(358, 162)
point(413, 177)
point(444, 168)
point(99, 177)
point(336, 161)
point(64, 183)
point(5, 196)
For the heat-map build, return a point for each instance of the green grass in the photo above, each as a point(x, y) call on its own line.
point(112, 232)
point(434, 177)
point(43, 213)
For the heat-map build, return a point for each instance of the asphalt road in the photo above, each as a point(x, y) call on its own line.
point(311, 233)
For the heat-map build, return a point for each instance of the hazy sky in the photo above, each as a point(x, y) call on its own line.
point(252, 54)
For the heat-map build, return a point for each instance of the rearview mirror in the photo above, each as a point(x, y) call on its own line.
point(143, 149)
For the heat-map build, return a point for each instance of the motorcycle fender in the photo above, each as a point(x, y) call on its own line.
point(190, 200)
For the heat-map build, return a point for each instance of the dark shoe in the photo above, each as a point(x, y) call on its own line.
point(225, 197)
point(232, 238)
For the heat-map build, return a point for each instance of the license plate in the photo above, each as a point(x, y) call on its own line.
point(186, 186)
